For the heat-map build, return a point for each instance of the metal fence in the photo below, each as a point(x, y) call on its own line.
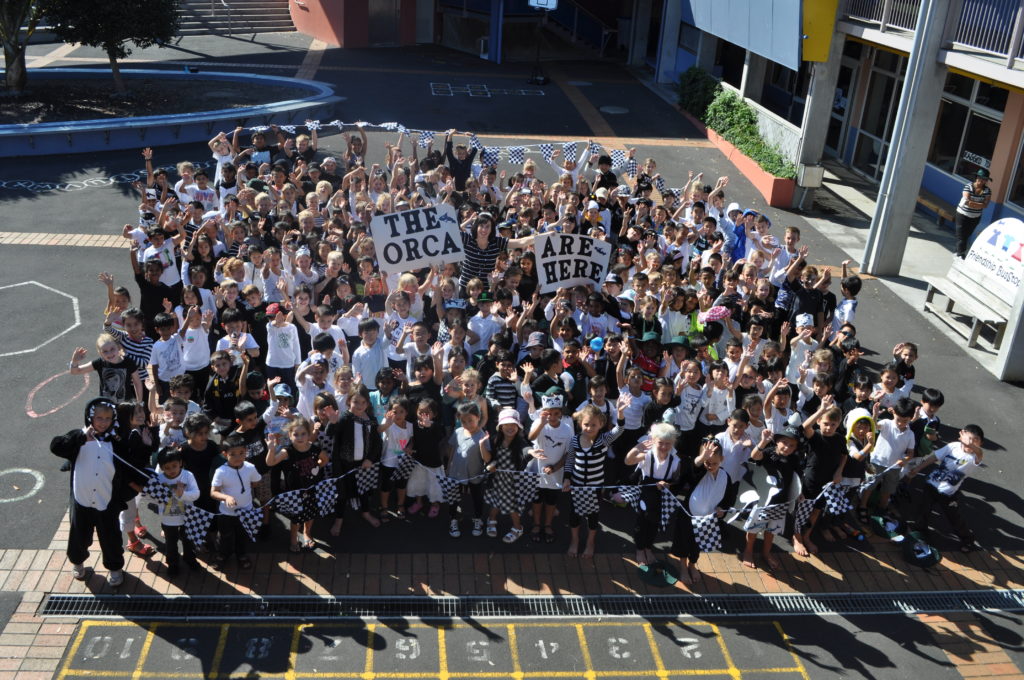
point(991, 26)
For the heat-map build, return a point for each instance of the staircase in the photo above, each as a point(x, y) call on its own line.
point(233, 17)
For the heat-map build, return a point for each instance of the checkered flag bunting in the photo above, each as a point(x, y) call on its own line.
point(631, 494)
point(197, 524)
point(391, 126)
point(569, 151)
point(836, 502)
point(474, 143)
point(291, 504)
point(511, 491)
point(159, 492)
point(367, 479)
point(290, 129)
point(406, 464)
point(631, 167)
point(526, 488)
point(547, 151)
point(426, 137)
point(325, 494)
point(595, 149)
point(761, 516)
point(660, 183)
point(312, 125)
point(251, 519)
point(451, 487)
point(516, 155)
point(803, 513)
point(618, 158)
point(669, 505)
point(584, 500)
point(402, 130)
point(491, 155)
point(707, 532)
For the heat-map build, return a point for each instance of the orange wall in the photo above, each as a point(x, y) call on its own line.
point(1006, 145)
point(344, 23)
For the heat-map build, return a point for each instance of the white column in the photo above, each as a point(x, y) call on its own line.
point(668, 45)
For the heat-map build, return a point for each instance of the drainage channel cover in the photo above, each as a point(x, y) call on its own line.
point(144, 607)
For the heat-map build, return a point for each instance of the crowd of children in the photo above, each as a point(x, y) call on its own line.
point(261, 350)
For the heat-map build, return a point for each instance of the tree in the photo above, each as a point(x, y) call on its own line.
point(14, 15)
point(113, 25)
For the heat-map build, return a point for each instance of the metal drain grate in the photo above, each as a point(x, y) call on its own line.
point(311, 607)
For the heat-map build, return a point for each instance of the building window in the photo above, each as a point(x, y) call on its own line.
point(884, 88)
point(785, 91)
point(689, 37)
point(967, 127)
point(729, 59)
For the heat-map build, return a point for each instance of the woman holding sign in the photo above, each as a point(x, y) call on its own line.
point(482, 245)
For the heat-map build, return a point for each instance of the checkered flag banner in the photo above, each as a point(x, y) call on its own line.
point(631, 494)
point(660, 183)
point(336, 123)
point(584, 500)
point(161, 493)
point(312, 125)
point(451, 487)
point(491, 155)
point(595, 149)
point(618, 158)
point(526, 488)
point(290, 129)
point(669, 505)
point(291, 504)
point(762, 516)
point(251, 519)
point(547, 151)
point(631, 167)
point(707, 533)
point(516, 155)
point(406, 464)
point(836, 502)
point(325, 494)
point(391, 127)
point(871, 481)
point(402, 130)
point(569, 151)
point(259, 128)
point(197, 523)
point(367, 479)
point(474, 143)
point(363, 123)
point(426, 137)
point(802, 516)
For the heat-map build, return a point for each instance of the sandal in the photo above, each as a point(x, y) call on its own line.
point(513, 535)
point(141, 531)
point(549, 535)
point(535, 534)
point(400, 513)
point(141, 549)
point(308, 545)
point(492, 528)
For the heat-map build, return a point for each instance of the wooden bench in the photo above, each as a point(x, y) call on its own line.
point(941, 207)
point(972, 299)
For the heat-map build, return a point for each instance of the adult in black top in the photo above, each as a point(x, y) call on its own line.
point(151, 290)
point(459, 160)
point(482, 246)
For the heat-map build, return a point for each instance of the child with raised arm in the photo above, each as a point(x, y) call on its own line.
point(119, 374)
point(824, 463)
point(303, 462)
point(184, 491)
point(776, 452)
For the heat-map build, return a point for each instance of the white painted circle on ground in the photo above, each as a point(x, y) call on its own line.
point(37, 481)
point(37, 345)
point(614, 109)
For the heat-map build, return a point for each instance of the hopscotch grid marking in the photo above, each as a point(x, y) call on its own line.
point(147, 646)
point(74, 307)
point(733, 670)
point(792, 652)
point(658, 663)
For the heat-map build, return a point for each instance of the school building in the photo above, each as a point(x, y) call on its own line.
point(843, 107)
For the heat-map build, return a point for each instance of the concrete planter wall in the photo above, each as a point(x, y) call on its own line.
point(112, 134)
point(777, 191)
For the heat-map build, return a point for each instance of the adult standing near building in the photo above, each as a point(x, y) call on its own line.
point(975, 199)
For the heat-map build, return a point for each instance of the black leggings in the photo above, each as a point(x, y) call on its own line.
point(172, 536)
point(965, 227)
point(476, 495)
point(233, 538)
point(105, 523)
point(684, 544)
point(592, 520)
point(347, 489)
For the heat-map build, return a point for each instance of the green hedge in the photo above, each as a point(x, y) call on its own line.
point(732, 118)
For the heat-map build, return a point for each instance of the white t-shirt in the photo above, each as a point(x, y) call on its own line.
point(167, 357)
point(952, 465)
point(165, 254)
point(195, 354)
point(691, 401)
point(734, 454)
point(236, 482)
point(248, 342)
point(555, 442)
point(172, 513)
point(891, 444)
point(283, 349)
point(485, 328)
point(395, 440)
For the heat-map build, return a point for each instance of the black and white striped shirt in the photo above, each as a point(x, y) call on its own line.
point(964, 209)
point(502, 391)
point(139, 352)
point(586, 465)
point(479, 263)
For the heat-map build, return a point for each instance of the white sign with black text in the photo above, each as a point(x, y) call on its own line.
point(565, 260)
point(414, 239)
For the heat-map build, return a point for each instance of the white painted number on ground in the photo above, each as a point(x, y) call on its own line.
point(407, 648)
point(689, 647)
point(127, 649)
point(98, 647)
point(333, 642)
point(258, 648)
point(615, 648)
point(185, 649)
point(547, 649)
point(477, 650)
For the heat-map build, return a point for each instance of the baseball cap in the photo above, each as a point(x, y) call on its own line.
point(312, 167)
point(535, 339)
point(593, 205)
point(789, 431)
point(485, 297)
point(282, 390)
point(613, 278)
point(254, 380)
point(602, 192)
point(273, 308)
point(509, 416)
point(650, 336)
point(804, 320)
point(733, 206)
point(329, 159)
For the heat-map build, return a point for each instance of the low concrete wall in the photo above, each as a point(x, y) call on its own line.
point(112, 134)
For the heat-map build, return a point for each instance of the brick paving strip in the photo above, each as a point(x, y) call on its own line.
point(23, 238)
point(31, 647)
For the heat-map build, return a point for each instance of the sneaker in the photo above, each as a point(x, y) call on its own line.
point(115, 578)
point(453, 529)
point(478, 527)
point(79, 572)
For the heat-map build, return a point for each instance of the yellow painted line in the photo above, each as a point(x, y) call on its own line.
point(517, 668)
point(74, 649)
point(293, 651)
point(658, 663)
point(218, 654)
point(792, 652)
point(311, 62)
point(147, 645)
point(442, 655)
point(368, 665)
point(733, 670)
point(585, 649)
point(593, 118)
